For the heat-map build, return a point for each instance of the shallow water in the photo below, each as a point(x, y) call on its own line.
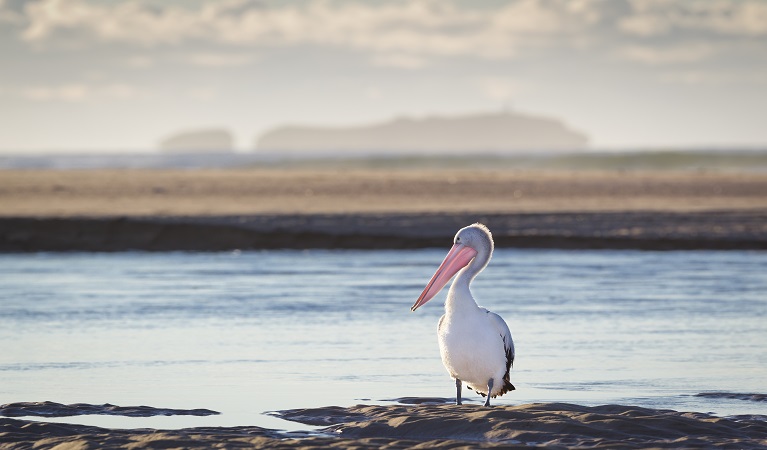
point(729, 159)
point(244, 333)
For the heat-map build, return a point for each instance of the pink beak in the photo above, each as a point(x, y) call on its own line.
point(457, 258)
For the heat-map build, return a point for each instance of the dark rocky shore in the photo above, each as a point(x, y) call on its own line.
point(646, 230)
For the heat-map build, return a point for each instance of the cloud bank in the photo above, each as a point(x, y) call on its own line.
point(397, 33)
point(629, 71)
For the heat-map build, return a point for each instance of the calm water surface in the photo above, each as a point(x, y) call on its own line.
point(244, 333)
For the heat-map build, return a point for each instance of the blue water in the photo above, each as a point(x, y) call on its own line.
point(244, 333)
point(726, 159)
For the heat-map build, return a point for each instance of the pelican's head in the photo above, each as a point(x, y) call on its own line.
point(467, 244)
point(476, 236)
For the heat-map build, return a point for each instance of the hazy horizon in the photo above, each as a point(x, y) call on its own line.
point(90, 76)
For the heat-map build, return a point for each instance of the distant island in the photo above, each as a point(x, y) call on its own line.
point(213, 140)
point(490, 132)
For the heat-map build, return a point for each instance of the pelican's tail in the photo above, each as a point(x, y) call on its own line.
point(507, 386)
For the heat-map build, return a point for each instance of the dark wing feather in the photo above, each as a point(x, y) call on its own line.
point(508, 345)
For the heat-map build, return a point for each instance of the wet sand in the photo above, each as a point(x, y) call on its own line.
point(47, 193)
point(551, 425)
point(113, 210)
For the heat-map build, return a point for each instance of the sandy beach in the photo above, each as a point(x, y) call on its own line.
point(358, 208)
point(47, 193)
point(425, 423)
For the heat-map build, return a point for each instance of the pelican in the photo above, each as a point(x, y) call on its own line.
point(475, 344)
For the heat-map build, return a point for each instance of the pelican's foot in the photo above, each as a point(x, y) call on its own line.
point(489, 390)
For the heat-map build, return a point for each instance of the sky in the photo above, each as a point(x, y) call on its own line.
point(121, 75)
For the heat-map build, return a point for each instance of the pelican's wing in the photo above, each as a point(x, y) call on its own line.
point(503, 330)
point(508, 346)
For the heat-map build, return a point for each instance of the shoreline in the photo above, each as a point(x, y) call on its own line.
point(640, 230)
point(428, 425)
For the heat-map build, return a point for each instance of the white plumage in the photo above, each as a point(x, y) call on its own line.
point(475, 344)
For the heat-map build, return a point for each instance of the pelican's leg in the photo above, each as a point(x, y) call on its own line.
point(489, 390)
point(457, 391)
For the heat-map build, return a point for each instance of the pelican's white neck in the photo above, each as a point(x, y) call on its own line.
point(460, 295)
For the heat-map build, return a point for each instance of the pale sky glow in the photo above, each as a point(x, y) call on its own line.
point(97, 75)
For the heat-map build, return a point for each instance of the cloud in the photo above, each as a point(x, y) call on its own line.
point(400, 60)
point(66, 92)
point(126, 21)
point(77, 92)
point(138, 62)
point(677, 54)
point(725, 17)
point(501, 89)
point(709, 78)
point(403, 34)
point(219, 59)
point(7, 15)
point(691, 77)
point(399, 32)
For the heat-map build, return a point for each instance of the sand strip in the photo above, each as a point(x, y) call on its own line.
point(53, 409)
point(150, 193)
point(211, 210)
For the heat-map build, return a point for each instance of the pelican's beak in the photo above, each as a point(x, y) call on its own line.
point(457, 258)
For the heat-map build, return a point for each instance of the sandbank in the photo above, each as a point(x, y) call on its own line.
point(113, 210)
